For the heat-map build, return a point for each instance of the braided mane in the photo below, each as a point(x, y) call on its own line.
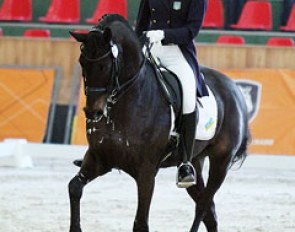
point(107, 19)
point(122, 30)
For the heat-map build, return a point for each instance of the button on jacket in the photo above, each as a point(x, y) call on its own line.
point(180, 20)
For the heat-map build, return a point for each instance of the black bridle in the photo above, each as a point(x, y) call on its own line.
point(113, 85)
point(114, 88)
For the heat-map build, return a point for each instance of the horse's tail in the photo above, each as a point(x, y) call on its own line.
point(241, 153)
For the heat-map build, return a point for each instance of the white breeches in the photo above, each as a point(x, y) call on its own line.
point(172, 58)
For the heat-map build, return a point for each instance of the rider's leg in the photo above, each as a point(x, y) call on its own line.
point(172, 58)
point(186, 173)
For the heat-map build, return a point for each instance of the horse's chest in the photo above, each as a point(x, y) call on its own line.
point(112, 139)
point(115, 149)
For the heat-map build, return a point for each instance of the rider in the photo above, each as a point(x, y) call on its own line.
point(171, 26)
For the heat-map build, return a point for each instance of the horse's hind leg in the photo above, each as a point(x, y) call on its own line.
point(205, 209)
point(217, 172)
point(196, 191)
point(89, 171)
point(145, 184)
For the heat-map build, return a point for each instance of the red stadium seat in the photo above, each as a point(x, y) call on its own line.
point(16, 10)
point(230, 39)
point(256, 15)
point(214, 17)
point(82, 31)
point(291, 21)
point(62, 11)
point(107, 7)
point(280, 41)
point(37, 33)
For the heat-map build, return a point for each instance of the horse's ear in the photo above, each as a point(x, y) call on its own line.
point(107, 35)
point(80, 37)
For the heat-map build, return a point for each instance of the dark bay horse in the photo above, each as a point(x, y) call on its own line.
point(128, 123)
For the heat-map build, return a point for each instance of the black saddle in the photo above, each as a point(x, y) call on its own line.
point(171, 89)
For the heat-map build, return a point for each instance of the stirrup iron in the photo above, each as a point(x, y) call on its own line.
point(188, 180)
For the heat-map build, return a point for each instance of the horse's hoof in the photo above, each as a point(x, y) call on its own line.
point(75, 229)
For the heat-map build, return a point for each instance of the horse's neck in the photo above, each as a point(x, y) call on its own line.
point(148, 87)
point(132, 55)
point(132, 59)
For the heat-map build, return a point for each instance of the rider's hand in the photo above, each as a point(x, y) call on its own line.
point(155, 36)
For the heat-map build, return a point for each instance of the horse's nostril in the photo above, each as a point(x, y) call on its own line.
point(100, 112)
point(93, 114)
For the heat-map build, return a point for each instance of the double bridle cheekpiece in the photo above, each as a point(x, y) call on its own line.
point(114, 89)
point(114, 82)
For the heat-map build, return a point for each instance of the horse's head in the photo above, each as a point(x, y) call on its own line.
point(110, 57)
point(98, 59)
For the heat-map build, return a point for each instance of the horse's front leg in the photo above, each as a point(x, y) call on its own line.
point(145, 183)
point(76, 186)
point(90, 170)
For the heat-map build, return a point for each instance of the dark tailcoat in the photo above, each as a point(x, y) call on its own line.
point(181, 21)
point(233, 11)
point(287, 7)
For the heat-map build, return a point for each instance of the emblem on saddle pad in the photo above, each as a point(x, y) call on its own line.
point(251, 91)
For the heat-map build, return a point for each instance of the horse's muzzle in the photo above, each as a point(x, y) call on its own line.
point(94, 115)
point(95, 107)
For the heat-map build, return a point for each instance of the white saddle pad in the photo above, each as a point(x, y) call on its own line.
point(208, 114)
point(206, 126)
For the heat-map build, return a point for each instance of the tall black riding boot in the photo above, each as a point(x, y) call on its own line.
point(186, 175)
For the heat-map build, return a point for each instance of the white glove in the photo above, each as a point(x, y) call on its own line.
point(155, 36)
